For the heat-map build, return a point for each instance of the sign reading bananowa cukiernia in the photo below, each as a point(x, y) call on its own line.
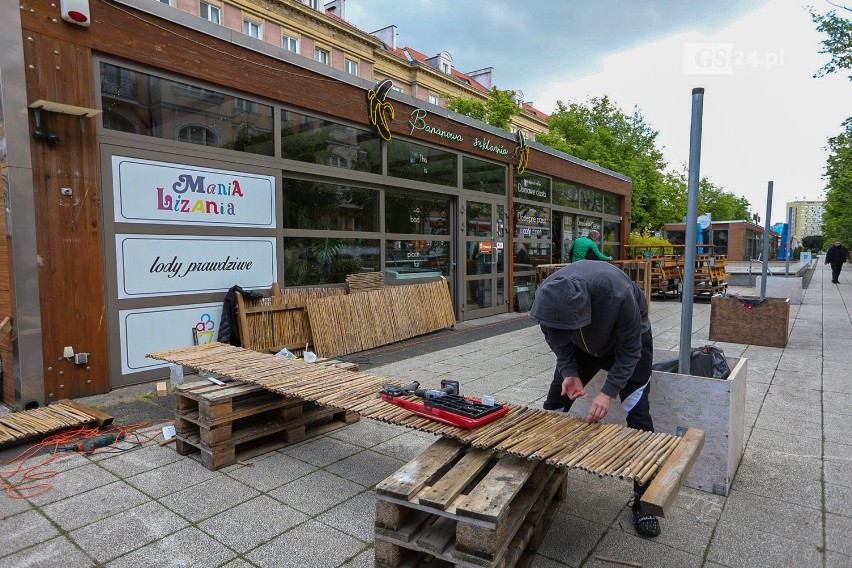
point(163, 193)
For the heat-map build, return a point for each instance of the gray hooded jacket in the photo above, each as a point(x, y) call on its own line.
point(595, 307)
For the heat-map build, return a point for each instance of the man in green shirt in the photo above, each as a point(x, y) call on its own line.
point(584, 248)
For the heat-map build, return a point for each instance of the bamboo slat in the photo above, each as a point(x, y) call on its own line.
point(557, 438)
point(23, 426)
point(347, 324)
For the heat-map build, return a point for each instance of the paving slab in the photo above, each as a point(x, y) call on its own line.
point(25, 530)
point(355, 517)
point(252, 523)
point(187, 547)
point(171, 477)
point(309, 545)
point(270, 471)
point(740, 546)
point(126, 531)
point(53, 552)
point(317, 492)
point(321, 451)
point(91, 506)
point(208, 498)
point(570, 539)
point(367, 467)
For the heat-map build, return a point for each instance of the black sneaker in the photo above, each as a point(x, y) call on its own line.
point(645, 524)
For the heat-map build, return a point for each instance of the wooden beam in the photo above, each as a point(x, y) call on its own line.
point(5, 328)
point(101, 418)
point(664, 488)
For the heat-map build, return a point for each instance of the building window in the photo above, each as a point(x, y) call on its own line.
point(210, 12)
point(195, 134)
point(322, 55)
point(433, 99)
point(290, 43)
point(351, 67)
point(166, 2)
point(253, 29)
point(445, 67)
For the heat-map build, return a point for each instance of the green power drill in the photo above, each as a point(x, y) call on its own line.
point(91, 444)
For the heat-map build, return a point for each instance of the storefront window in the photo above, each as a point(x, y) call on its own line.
point(591, 200)
point(421, 163)
point(587, 224)
point(611, 204)
point(478, 217)
point(479, 294)
point(532, 187)
point(148, 105)
point(610, 232)
point(416, 259)
point(414, 215)
point(319, 141)
point(565, 194)
point(531, 221)
point(479, 175)
point(329, 207)
point(327, 260)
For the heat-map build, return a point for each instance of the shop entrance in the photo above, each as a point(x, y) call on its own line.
point(483, 275)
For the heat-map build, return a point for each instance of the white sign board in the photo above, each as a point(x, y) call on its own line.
point(146, 191)
point(147, 330)
point(172, 264)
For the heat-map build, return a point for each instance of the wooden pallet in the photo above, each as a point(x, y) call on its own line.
point(458, 506)
point(237, 421)
point(639, 271)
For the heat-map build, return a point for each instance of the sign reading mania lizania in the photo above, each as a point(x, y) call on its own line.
point(162, 193)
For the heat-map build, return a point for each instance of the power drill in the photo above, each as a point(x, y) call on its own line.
point(91, 444)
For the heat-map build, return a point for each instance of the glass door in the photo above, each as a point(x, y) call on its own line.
point(484, 272)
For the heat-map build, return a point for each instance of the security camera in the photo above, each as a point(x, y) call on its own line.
point(52, 139)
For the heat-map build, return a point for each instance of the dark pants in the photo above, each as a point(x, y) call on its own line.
point(639, 416)
point(835, 271)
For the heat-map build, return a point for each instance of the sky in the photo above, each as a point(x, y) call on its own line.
point(764, 118)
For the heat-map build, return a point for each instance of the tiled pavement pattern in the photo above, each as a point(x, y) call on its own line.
point(311, 504)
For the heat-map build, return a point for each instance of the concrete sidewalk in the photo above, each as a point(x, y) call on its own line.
point(311, 504)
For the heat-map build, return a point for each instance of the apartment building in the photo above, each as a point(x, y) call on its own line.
point(805, 219)
point(319, 30)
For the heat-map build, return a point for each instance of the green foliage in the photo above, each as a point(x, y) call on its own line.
point(713, 200)
point(600, 132)
point(497, 111)
point(642, 242)
point(813, 242)
point(838, 41)
point(837, 218)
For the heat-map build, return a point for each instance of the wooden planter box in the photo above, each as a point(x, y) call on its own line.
point(765, 324)
point(681, 401)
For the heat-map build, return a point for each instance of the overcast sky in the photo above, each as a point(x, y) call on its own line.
point(765, 117)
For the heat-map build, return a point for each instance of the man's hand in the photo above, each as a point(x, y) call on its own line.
point(572, 387)
point(598, 408)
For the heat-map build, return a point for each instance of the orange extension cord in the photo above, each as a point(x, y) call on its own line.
point(33, 482)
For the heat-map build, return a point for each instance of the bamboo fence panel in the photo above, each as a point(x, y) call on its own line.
point(364, 281)
point(557, 438)
point(275, 327)
point(356, 322)
point(21, 426)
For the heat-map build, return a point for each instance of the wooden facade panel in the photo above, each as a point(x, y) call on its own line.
point(6, 358)
point(68, 227)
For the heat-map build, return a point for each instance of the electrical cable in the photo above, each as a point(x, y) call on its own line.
point(32, 480)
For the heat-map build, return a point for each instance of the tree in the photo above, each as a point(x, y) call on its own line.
point(600, 132)
point(838, 42)
point(713, 200)
point(837, 219)
point(813, 242)
point(497, 110)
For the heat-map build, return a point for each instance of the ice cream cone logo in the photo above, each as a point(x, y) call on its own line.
point(203, 330)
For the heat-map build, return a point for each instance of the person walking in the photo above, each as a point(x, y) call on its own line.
point(836, 256)
point(585, 248)
point(595, 317)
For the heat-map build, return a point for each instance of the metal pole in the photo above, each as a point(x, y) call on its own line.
point(764, 271)
point(688, 293)
point(789, 243)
